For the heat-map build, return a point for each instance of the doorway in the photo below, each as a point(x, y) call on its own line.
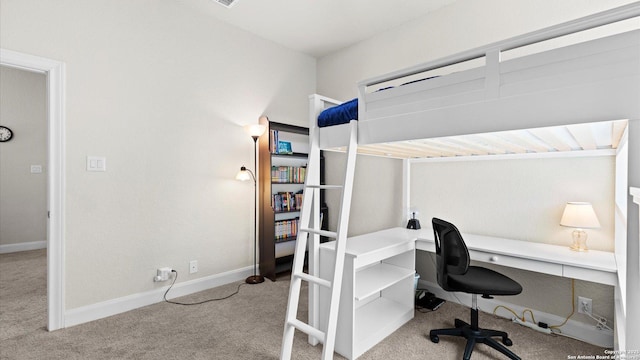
point(54, 73)
point(23, 202)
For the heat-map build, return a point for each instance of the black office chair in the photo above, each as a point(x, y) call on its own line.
point(455, 274)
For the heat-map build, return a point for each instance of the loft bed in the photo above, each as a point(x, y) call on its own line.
point(523, 101)
point(588, 82)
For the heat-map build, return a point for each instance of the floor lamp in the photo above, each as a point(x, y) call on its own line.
point(245, 174)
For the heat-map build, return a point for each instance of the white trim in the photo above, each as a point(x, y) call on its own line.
point(544, 155)
point(55, 73)
point(108, 308)
point(635, 192)
point(573, 329)
point(26, 246)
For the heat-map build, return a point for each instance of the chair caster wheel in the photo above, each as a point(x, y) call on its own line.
point(434, 339)
point(507, 341)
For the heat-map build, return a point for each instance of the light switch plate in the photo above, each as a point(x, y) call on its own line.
point(36, 169)
point(96, 163)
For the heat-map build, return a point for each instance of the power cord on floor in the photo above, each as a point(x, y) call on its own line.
point(556, 328)
point(199, 302)
point(521, 317)
point(601, 320)
point(419, 308)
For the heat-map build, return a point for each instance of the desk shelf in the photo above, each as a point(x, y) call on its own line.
point(377, 292)
point(376, 320)
point(374, 279)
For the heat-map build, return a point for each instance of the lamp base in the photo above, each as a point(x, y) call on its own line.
point(255, 279)
point(579, 240)
point(413, 224)
point(578, 248)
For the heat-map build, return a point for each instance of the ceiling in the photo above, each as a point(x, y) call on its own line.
point(590, 136)
point(320, 27)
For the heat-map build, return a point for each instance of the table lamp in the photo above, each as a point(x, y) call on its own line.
point(413, 222)
point(579, 215)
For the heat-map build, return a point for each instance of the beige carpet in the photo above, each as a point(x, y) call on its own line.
point(247, 326)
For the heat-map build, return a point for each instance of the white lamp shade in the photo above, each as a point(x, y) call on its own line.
point(243, 175)
point(579, 215)
point(255, 129)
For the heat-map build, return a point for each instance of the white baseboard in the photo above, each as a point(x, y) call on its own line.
point(107, 308)
point(33, 245)
point(574, 329)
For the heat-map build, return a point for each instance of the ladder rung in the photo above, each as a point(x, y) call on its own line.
point(330, 234)
point(307, 329)
point(314, 279)
point(325, 187)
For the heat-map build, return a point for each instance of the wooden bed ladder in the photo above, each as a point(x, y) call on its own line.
point(305, 233)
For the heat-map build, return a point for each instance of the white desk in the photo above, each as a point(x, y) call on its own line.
point(593, 265)
point(394, 250)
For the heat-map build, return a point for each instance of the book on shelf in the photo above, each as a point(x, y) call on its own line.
point(286, 229)
point(277, 146)
point(286, 201)
point(288, 174)
point(284, 147)
point(273, 141)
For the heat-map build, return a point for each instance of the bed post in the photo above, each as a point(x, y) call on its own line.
point(406, 190)
point(315, 107)
point(632, 321)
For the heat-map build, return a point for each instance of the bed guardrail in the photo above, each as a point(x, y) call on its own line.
point(492, 51)
point(586, 81)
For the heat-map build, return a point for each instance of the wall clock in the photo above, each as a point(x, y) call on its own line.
point(5, 134)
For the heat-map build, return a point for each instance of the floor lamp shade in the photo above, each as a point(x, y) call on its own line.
point(255, 130)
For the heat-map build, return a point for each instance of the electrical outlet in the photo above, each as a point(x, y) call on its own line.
point(585, 305)
point(193, 266)
point(162, 274)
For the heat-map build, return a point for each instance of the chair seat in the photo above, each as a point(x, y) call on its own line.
point(479, 280)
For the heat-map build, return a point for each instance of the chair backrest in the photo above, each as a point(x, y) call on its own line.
point(452, 255)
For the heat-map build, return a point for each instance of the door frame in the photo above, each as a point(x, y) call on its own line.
point(55, 77)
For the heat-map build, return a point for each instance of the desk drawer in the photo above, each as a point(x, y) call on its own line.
point(602, 277)
point(516, 262)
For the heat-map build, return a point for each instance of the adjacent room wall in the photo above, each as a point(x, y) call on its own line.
point(23, 201)
point(161, 90)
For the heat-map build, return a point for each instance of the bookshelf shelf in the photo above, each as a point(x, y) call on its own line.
point(285, 240)
point(281, 179)
point(294, 155)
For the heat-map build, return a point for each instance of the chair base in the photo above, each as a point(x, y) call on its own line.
point(474, 335)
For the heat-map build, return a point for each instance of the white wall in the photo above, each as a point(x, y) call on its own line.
point(23, 202)
point(519, 199)
point(161, 89)
point(373, 210)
